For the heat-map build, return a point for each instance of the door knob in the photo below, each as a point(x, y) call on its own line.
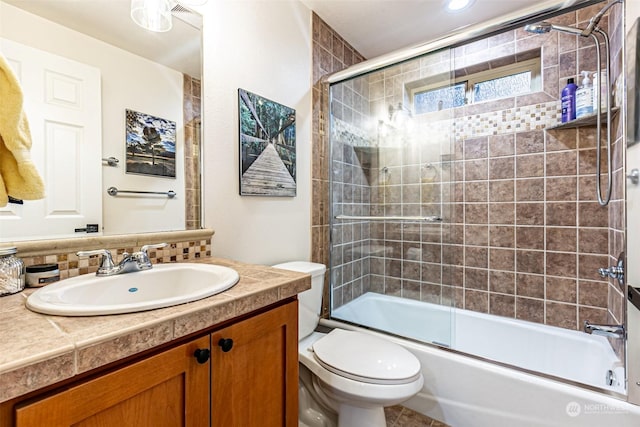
point(226, 344)
point(202, 355)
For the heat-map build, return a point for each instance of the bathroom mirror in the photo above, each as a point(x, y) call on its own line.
point(155, 74)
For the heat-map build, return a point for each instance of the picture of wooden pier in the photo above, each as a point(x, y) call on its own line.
point(267, 147)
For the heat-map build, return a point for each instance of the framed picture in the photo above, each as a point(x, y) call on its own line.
point(151, 145)
point(267, 147)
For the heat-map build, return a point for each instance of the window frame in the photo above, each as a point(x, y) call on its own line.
point(532, 65)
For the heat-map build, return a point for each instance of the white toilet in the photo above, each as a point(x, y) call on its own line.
point(346, 377)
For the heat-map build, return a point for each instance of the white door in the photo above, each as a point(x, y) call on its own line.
point(62, 100)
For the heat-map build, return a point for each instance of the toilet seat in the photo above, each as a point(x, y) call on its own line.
point(365, 358)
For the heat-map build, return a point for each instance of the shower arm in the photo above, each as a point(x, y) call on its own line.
point(593, 23)
point(598, 95)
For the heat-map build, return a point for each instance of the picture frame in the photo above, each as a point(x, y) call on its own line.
point(150, 145)
point(267, 141)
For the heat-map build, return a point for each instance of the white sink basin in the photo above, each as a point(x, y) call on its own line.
point(162, 286)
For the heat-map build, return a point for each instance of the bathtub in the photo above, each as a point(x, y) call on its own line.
point(492, 371)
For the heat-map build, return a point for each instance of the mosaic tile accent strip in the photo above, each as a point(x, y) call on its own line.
point(521, 119)
point(70, 265)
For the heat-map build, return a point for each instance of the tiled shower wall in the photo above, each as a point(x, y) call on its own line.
point(192, 141)
point(617, 207)
point(523, 234)
point(331, 53)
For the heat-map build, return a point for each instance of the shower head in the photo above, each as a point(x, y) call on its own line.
point(538, 28)
point(545, 27)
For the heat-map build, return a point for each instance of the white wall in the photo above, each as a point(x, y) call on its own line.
point(128, 81)
point(265, 48)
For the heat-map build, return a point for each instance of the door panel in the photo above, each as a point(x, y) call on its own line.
point(62, 100)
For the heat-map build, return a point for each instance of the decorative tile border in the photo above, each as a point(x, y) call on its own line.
point(518, 119)
point(183, 246)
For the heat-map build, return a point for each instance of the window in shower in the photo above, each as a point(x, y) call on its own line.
point(504, 82)
point(491, 84)
point(441, 98)
point(502, 87)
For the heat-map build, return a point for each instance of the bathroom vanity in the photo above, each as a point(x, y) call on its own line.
point(226, 360)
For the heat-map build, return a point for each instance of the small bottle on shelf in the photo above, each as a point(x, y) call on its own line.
point(584, 96)
point(568, 100)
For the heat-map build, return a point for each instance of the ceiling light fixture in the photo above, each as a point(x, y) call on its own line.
point(192, 2)
point(458, 5)
point(153, 15)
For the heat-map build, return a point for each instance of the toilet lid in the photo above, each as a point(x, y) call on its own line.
point(366, 358)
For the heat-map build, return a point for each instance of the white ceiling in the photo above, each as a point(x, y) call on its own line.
point(376, 27)
point(373, 27)
point(109, 21)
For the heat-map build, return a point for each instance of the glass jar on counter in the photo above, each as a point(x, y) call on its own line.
point(12, 272)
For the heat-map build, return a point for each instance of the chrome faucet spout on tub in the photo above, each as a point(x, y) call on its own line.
point(611, 331)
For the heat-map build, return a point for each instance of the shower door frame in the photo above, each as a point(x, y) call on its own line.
point(508, 22)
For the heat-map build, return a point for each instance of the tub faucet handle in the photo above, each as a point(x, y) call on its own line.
point(614, 272)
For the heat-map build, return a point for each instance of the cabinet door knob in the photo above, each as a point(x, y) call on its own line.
point(226, 344)
point(202, 355)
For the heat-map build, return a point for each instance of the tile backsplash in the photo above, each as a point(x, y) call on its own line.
point(182, 246)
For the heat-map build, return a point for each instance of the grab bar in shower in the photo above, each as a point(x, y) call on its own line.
point(113, 191)
point(390, 218)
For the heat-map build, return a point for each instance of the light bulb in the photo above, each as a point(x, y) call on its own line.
point(455, 5)
point(153, 15)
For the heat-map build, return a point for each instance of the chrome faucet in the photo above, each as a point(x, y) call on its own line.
point(610, 331)
point(136, 261)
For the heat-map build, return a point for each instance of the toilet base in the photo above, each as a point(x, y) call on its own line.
point(353, 416)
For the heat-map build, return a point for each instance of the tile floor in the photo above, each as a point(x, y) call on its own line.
point(399, 416)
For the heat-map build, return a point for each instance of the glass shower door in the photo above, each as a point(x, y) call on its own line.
point(392, 199)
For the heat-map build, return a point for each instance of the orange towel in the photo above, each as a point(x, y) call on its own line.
point(18, 175)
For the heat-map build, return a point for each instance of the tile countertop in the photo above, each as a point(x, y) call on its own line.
point(38, 350)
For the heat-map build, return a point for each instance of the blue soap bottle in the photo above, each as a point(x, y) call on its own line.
point(568, 99)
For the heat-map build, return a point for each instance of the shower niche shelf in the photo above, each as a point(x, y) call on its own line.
point(585, 121)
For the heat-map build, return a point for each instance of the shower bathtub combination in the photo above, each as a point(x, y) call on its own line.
point(512, 377)
point(467, 223)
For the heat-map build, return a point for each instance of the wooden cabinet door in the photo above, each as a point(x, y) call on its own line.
point(169, 389)
point(255, 382)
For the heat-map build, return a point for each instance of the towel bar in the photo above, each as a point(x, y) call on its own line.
point(390, 218)
point(113, 191)
point(111, 161)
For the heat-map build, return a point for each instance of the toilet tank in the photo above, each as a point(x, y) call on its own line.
point(309, 301)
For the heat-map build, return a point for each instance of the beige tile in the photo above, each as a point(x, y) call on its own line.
point(502, 282)
point(530, 309)
point(476, 300)
point(202, 318)
point(562, 239)
point(104, 352)
point(561, 289)
point(562, 315)
point(29, 337)
point(32, 377)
